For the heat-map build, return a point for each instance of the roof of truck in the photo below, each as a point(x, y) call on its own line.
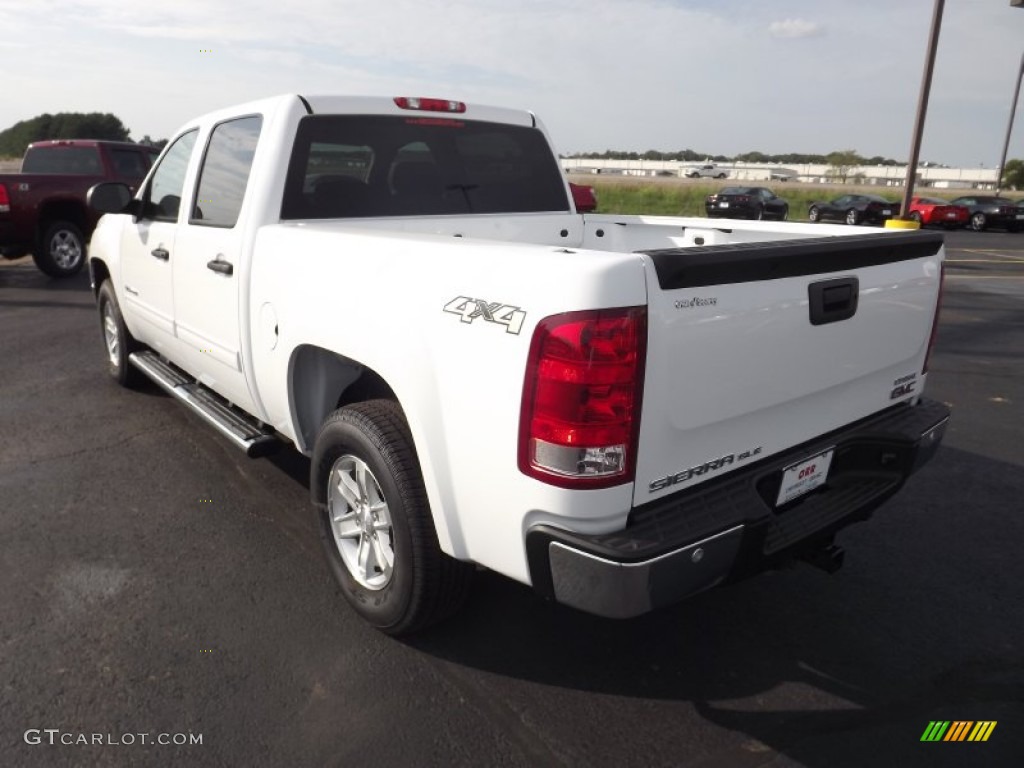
point(88, 143)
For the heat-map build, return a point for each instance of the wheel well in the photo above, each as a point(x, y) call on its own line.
point(99, 274)
point(63, 210)
point(321, 381)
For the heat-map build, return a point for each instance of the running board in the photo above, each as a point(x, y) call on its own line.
point(240, 428)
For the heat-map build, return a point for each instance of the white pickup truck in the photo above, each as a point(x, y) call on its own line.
point(617, 410)
point(706, 171)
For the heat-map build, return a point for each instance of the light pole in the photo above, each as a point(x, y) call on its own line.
point(922, 108)
point(1009, 125)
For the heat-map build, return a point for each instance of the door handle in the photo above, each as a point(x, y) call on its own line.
point(222, 267)
point(831, 301)
point(161, 253)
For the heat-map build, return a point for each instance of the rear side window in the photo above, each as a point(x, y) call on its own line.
point(129, 163)
point(357, 165)
point(224, 175)
point(83, 161)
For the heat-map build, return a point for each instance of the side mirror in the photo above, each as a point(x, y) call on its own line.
point(111, 197)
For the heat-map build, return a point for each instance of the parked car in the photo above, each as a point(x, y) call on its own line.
point(583, 198)
point(991, 211)
point(43, 210)
point(936, 211)
point(383, 316)
point(708, 170)
point(746, 203)
point(854, 209)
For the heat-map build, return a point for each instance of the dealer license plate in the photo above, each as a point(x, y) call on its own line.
point(887, 212)
point(804, 477)
point(723, 205)
point(1020, 215)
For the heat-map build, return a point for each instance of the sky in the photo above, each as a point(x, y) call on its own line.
point(718, 77)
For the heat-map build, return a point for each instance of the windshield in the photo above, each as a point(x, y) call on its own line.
point(351, 166)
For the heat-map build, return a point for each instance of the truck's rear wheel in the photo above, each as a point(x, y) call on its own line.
point(60, 252)
point(118, 342)
point(375, 522)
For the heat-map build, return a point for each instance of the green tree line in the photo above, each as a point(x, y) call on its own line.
point(63, 125)
point(1013, 174)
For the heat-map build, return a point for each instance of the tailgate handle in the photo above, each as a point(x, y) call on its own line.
point(833, 300)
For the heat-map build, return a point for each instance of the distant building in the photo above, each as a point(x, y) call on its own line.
point(871, 175)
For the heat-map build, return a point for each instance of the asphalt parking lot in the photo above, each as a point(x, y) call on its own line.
point(157, 582)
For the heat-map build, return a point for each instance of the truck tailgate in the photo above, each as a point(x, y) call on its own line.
point(759, 347)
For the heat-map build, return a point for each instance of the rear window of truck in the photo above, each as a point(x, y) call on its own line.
point(345, 166)
point(84, 161)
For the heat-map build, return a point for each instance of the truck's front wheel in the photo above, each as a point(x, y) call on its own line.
point(375, 522)
point(61, 250)
point(118, 342)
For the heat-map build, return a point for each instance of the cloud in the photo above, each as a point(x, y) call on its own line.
point(795, 28)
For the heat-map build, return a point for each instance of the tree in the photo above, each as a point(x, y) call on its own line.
point(1013, 174)
point(841, 162)
point(63, 125)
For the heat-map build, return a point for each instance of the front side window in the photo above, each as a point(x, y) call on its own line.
point(164, 193)
point(225, 172)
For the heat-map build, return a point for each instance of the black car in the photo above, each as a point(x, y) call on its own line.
point(990, 211)
point(855, 209)
point(746, 203)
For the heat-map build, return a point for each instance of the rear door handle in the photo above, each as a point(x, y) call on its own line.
point(161, 253)
point(222, 267)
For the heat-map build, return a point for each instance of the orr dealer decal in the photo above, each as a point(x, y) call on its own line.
point(490, 311)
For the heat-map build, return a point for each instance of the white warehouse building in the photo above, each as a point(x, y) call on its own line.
point(882, 175)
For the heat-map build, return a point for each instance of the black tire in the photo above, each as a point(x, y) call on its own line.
point(979, 221)
point(852, 217)
point(60, 251)
point(721, 176)
point(117, 340)
point(813, 214)
point(421, 585)
point(916, 216)
point(785, 213)
point(760, 214)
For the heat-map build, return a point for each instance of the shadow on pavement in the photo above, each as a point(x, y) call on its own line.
point(917, 627)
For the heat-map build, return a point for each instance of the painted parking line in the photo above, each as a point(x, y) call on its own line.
point(983, 261)
point(984, 277)
point(1001, 254)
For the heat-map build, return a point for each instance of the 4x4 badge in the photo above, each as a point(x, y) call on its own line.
point(491, 311)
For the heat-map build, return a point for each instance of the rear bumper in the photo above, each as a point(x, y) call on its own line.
point(728, 529)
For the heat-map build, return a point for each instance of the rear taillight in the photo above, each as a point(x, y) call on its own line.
point(935, 320)
point(429, 105)
point(5, 200)
point(580, 416)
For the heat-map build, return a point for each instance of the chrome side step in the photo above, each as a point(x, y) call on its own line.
point(240, 428)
